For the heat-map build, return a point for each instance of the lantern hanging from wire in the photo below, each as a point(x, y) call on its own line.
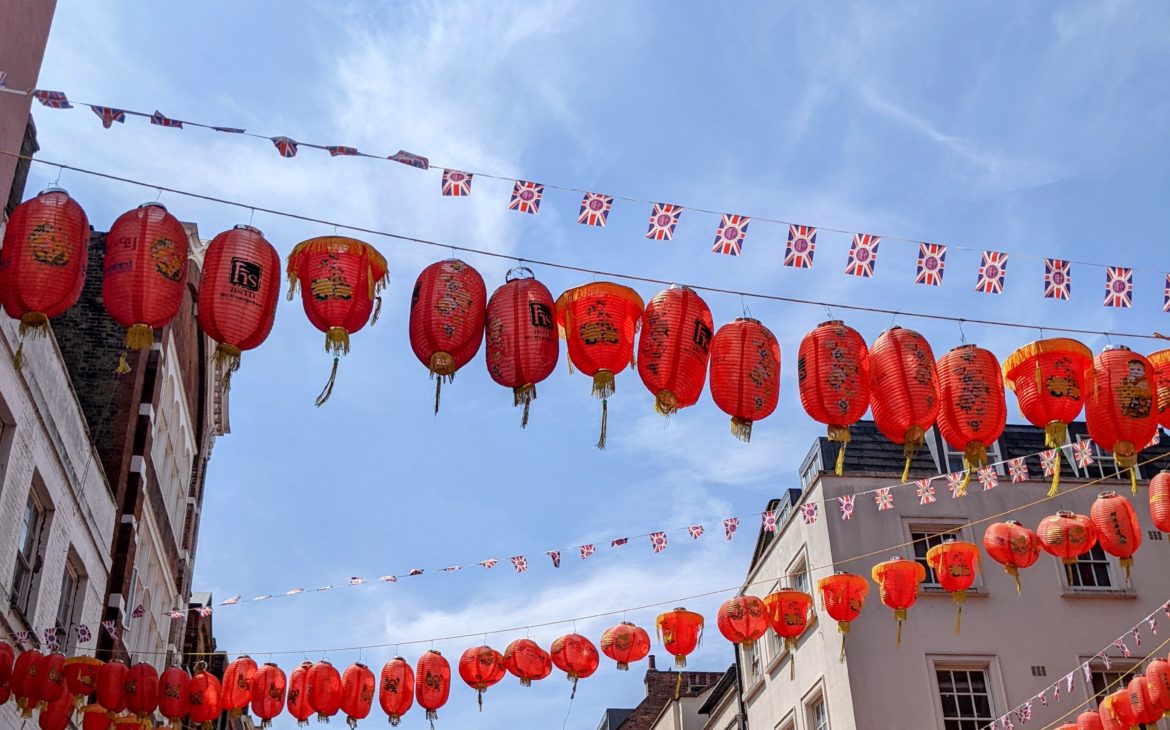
point(396, 689)
point(55, 715)
point(1116, 711)
point(357, 693)
point(204, 697)
point(141, 690)
point(111, 686)
point(324, 689)
point(898, 581)
point(832, 369)
point(298, 694)
point(1160, 500)
point(576, 656)
point(524, 659)
point(1117, 526)
point(674, 348)
point(1089, 720)
point(743, 620)
point(1145, 711)
point(1160, 362)
point(432, 683)
point(269, 685)
point(1013, 546)
point(447, 319)
point(956, 564)
point(81, 676)
point(903, 389)
point(340, 279)
point(481, 667)
point(174, 688)
point(7, 657)
point(626, 644)
point(1120, 412)
point(1158, 676)
point(50, 681)
point(1067, 536)
point(843, 596)
point(521, 335)
point(680, 632)
point(973, 410)
point(237, 685)
point(599, 322)
point(745, 373)
point(788, 612)
point(24, 681)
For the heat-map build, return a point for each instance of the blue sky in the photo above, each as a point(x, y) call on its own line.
point(1034, 129)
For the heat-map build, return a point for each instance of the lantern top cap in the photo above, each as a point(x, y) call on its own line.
point(246, 227)
point(1110, 494)
point(153, 204)
point(1065, 513)
point(832, 323)
point(53, 189)
point(519, 272)
point(1025, 355)
point(1012, 522)
point(1111, 348)
point(965, 346)
point(753, 320)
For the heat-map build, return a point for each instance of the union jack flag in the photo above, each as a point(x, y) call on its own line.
point(451, 569)
point(356, 580)
point(51, 640)
point(1056, 692)
point(231, 601)
point(336, 150)
point(802, 243)
point(1118, 287)
point(526, 197)
point(862, 255)
point(1137, 636)
point(846, 504)
point(730, 525)
point(415, 571)
point(164, 121)
point(329, 588)
point(769, 521)
point(1152, 620)
point(555, 556)
point(955, 483)
point(389, 579)
point(285, 146)
point(595, 209)
point(663, 218)
point(262, 597)
point(1083, 453)
point(1120, 645)
point(23, 637)
point(884, 499)
point(206, 611)
point(988, 478)
point(1166, 295)
point(108, 115)
point(111, 628)
point(52, 99)
point(808, 513)
point(1057, 279)
point(294, 591)
point(587, 550)
point(658, 541)
point(489, 563)
point(1070, 681)
point(619, 542)
point(1157, 439)
point(992, 270)
point(932, 258)
point(1048, 461)
point(3, 79)
point(1026, 712)
point(696, 531)
point(229, 130)
point(925, 491)
point(1018, 469)
point(138, 612)
point(411, 159)
point(1104, 657)
point(1043, 697)
point(84, 635)
point(520, 563)
point(456, 183)
point(730, 234)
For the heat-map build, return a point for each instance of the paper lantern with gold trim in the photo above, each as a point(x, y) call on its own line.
point(674, 348)
point(903, 389)
point(1160, 362)
point(432, 682)
point(625, 643)
point(743, 620)
point(174, 687)
point(524, 659)
point(1158, 677)
point(81, 676)
point(745, 373)
point(1089, 720)
point(447, 318)
point(898, 581)
point(324, 689)
point(832, 369)
point(396, 689)
point(843, 596)
point(521, 334)
point(1116, 712)
point(973, 410)
point(1067, 536)
point(955, 563)
point(94, 717)
point(7, 657)
point(788, 612)
point(1013, 546)
point(141, 690)
point(237, 685)
point(25, 672)
point(680, 632)
point(576, 656)
point(1145, 711)
point(481, 667)
point(1118, 529)
point(111, 686)
point(269, 685)
point(1120, 413)
point(298, 694)
point(357, 693)
point(204, 697)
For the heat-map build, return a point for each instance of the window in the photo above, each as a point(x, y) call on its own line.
point(799, 580)
point(811, 469)
point(950, 460)
point(1090, 571)
point(28, 553)
point(817, 713)
point(1106, 682)
point(965, 699)
point(924, 539)
point(1103, 466)
point(69, 604)
point(751, 661)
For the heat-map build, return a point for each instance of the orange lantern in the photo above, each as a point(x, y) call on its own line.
point(1013, 546)
point(1160, 362)
point(357, 693)
point(1160, 500)
point(25, 671)
point(598, 322)
point(340, 279)
point(324, 689)
point(525, 659)
point(743, 620)
point(680, 632)
point(788, 612)
point(833, 373)
point(141, 690)
point(576, 656)
point(674, 348)
point(298, 694)
point(1120, 412)
point(1089, 721)
point(1141, 701)
point(903, 389)
point(1067, 536)
point(204, 696)
point(745, 373)
point(1158, 676)
point(81, 676)
point(520, 329)
point(973, 410)
point(111, 686)
point(446, 318)
point(55, 715)
point(480, 668)
point(956, 563)
point(396, 689)
point(898, 581)
point(1116, 711)
point(268, 688)
point(50, 682)
point(237, 686)
point(1118, 530)
point(625, 643)
point(432, 683)
point(1049, 379)
point(843, 596)
point(174, 686)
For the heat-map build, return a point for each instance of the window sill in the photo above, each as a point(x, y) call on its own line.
point(774, 665)
point(1114, 593)
point(754, 690)
point(937, 591)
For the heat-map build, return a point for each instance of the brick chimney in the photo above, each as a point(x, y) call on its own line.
point(652, 667)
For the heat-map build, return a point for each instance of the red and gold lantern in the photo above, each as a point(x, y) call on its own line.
point(357, 693)
point(674, 348)
point(973, 410)
point(432, 682)
point(576, 656)
point(141, 690)
point(1120, 412)
point(111, 686)
point(598, 322)
point(743, 620)
point(625, 643)
point(1089, 721)
point(340, 279)
point(521, 333)
point(174, 686)
point(680, 632)
point(788, 612)
point(204, 697)
point(7, 657)
point(1160, 500)
point(1116, 712)
point(1013, 546)
point(81, 676)
point(237, 686)
point(55, 714)
point(145, 272)
point(481, 667)
point(94, 717)
point(898, 581)
point(1158, 677)
point(524, 658)
point(745, 373)
point(25, 678)
point(396, 689)
point(1160, 362)
point(1145, 710)
point(447, 318)
point(956, 563)
point(1118, 530)
point(324, 689)
point(50, 683)
point(843, 596)
point(238, 289)
point(268, 687)
point(832, 369)
point(298, 694)
point(1067, 536)
point(903, 389)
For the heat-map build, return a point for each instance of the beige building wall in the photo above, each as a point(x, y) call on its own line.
point(24, 31)
point(682, 714)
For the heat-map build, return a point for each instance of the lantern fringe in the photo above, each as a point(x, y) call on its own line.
point(1014, 572)
point(604, 421)
point(790, 644)
point(377, 311)
point(478, 698)
point(377, 271)
point(525, 682)
point(915, 438)
point(123, 364)
point(524, 395)
point(322, 718)
point(975, 456)
point(394, 720)
point(1127, 563)
point(678, 682)
point(603, 384)
point(841, 435)
point(1055, 434)
point(337, 341)
point(959, 597)
point(139, 337)
point(843, 627)
point(227, 357)
point(32, 324)
point(900, 616)
point(665, 403)
point(741, 428)
point(328, 390)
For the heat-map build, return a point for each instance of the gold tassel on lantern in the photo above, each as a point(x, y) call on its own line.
point(139, 337)
point(959, 597)
point(665, 403)
point(441, 365)
point(1055, 434)
point(841, 435)
point(741, 428)
point(227, 358)
point(843, 627)
point(603, 388)
point(525, 394)
point(900, 615)
point(915, 438)
point(35, 324)
point(1014, 572)
point(1126, 457)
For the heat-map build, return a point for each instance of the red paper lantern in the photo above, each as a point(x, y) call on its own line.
point(298, 694)
point(1160, 362)
point(396, 689)
point(743, 620)
point(55, 714)
point(94, 717)
point(1158, 676)
point(145, 273)
point(1116, 711)
point(237, 685)
point(625, 643)
point(843, 596)
point(1013, 546)
point(956, 563)
point(1160, 500)
point(576, 656)
point(480, 668)
point(680, 632)
point(174, 695)
point(340, 279)
point(268, 688)
point(111, 686)
point(432, 682)
point(1089, 721)
point(447, 318)
point(204, 697)
point(1118, 530)
point(524, 659)
point(788, 612)
point(25, 677)
point(324, 688)
point(5, 694)
point(7, 657)
point(81, 676)
point(1120, 412)
point(973, 410)
point(745, 373)
point(50, 682)
point(674, 348)
point(598, 322)
point(43, 261)
point(898, 581)
point(520, 329)
point(238, 289)
point(1141, 701)
point(141, 690)
point(1067, 536)
point(357, 693)
point(129, 722)
point(903, 389)
point(832, 369)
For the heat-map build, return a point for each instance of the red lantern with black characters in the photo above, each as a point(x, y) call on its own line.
point(1118, 529)
point(145, 272)
point(237, 685)
point(432, 682)
point(832, 369)
point(298, 694)
point(43, 261)
point(576, 656)
point(1067, 536)
point(324, 685)
point(174, 695)
point(238, 289)
point(111, 686)
point(204, 697)
point(674, 348)
point(903, 389)
point(268, 688)
point(521, 333)
point(357, 693)
point(973, 410)
point(1120, 412)
point(745, 373)
point(447, 318)
point(7, 657)
point(141, 690)
point(524, 659)
point(481, 667)
point(743, 620)
point(625, 643)
point(843, 596)
point(396, 689)
point(1160, 362)
point(1013, 546)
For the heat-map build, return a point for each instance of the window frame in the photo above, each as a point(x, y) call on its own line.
point(814, 697)
point(1126, 668)
point(950, 461)
point(70, 602)
point(1098, 558)
point(955, 528)
point(29, 554)
point(950, 664)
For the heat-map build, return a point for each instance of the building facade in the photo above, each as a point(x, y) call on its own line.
point(672, 702)
point(24, 31)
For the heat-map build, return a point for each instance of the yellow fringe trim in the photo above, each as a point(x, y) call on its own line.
point(1014, 572)
point(741, 428)
point(665, 403)
point(915, 438)
point(378, 272)
point(603, 384)
point(1027, 352)
point(337, 341)
point(139, 337)
point(34, 323)
point(597, 288)
point(123, 365)
point(1125, 455)
point(442, 364)
point(524, 395)
point(843, 436)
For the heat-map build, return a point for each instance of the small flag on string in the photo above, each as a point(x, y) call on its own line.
point(1056, 692)
point(619, 542)
point(802, 243)
point(769, 521)
point(730, 525)
point(992, 270)
point(1018, 469)
point(658, 541)
point(1083, 453)
point(336, 150)
point(356, 580)
point(206, 611)
point(262, 597)
point(22, 637)
point(932, 259)
point(234, 600)
point(411, 159)
point(1137, 636)
point(84, 635)
point(925, 491)
point(663, 218)
point(587, 550)
point(1043, 697)
point(1104, 657)
point(730, 234)
point(111, 629)
point(1026, 712)
point(1118, 287)
point(988, 478)
point(1121, 646)
point(808, 513)
point(956, 483)
point(555, 556)
point(846, 504)
point(1057, 279)
point(285, 146)
point(138, 612)
point(229, 130)
point(595, 209)
point(52, 99)
point(1088, 672)
point(108, 115)
point(322, 589)
point(456, 183)
point(862, 255)
point(520, 563)
point(164, 121)
point(1048, 461)
point(1166, 295)
point(526, 197)
point(884, 499)
point(51, 640)
point(294, 591)
point(3, 79)
point(175, 615)
point(388, 578)
point(1152, 620)
point(414, 571)
point(1070, 681)
point(489, 563)
point(696, 531)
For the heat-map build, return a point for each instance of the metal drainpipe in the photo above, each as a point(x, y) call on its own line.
point(743, 722)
